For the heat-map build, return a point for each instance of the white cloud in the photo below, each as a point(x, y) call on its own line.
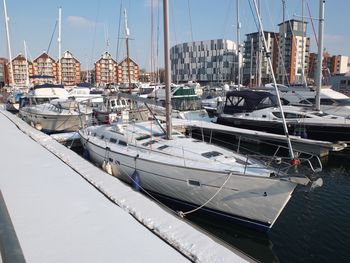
point(79, 21)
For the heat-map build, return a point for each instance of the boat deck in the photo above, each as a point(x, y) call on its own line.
point(64, 209)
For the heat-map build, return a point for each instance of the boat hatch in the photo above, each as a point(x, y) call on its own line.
point(162, 147)
point(149, 142)
point(211, 154)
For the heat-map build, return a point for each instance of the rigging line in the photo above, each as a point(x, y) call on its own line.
point(118, 36)
point(182, 214)
point(190, 18)
point(253, 14)
point(53, 33)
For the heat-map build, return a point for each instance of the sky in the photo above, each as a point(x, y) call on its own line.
point(89, 28)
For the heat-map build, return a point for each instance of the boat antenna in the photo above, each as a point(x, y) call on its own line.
point(291, 153)
point(167, 69)
point(8, 42)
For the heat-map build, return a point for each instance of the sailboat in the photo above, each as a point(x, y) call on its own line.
point(204, 176)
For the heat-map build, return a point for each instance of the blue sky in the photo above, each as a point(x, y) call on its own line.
point(85, 25)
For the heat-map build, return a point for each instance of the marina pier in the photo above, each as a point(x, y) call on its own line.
point(62, 208)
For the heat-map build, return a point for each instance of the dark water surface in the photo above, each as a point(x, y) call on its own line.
point(313, 227)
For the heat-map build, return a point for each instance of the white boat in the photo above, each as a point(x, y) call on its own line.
point(83, 93)
point(331, 101)
point(113, 107)
point(257, 110)
point(190, 171)
point(57, 116)
point(44, 93)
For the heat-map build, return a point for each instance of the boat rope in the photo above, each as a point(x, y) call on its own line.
point(183, 214)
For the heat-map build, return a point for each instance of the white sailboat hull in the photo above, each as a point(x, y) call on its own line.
point(252, 200)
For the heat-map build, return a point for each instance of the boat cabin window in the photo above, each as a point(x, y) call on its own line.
point(123, 143)
point(328, 102)
point(321, 114)
point(290, 115)
point(112, 140)
point(265, 103)
point(123, 102)
point(102, 137)
point(113, 103)
point(211, 154)
point(307, 101)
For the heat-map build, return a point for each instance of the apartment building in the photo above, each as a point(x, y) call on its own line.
point(22, 69)
point(204, 61)
point(294, 46)
point(70, 69)
point(3, 72)
point(106, 70)
point(45, 67)
point(124, 68)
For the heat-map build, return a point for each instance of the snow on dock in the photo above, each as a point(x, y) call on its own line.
point(64, 209)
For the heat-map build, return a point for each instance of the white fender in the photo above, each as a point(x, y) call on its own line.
point(38, 126)
point(108, 168)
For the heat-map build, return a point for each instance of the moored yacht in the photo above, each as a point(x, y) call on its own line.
point(331, 101)
point(189, 171)
point(57, 115)
point(258, 110)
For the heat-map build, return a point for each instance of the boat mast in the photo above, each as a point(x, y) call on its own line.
point(238, 48)
point(284, 40)
point(302, 46)
point(8, 42)
point(59, 45)
point(27, 66)
point(167, 69)
point(259, 50)
point(251, 62)
point(127, 34)
point(320, 55)
point(291, 153)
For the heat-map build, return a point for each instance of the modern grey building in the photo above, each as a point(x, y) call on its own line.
point(204, 61)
